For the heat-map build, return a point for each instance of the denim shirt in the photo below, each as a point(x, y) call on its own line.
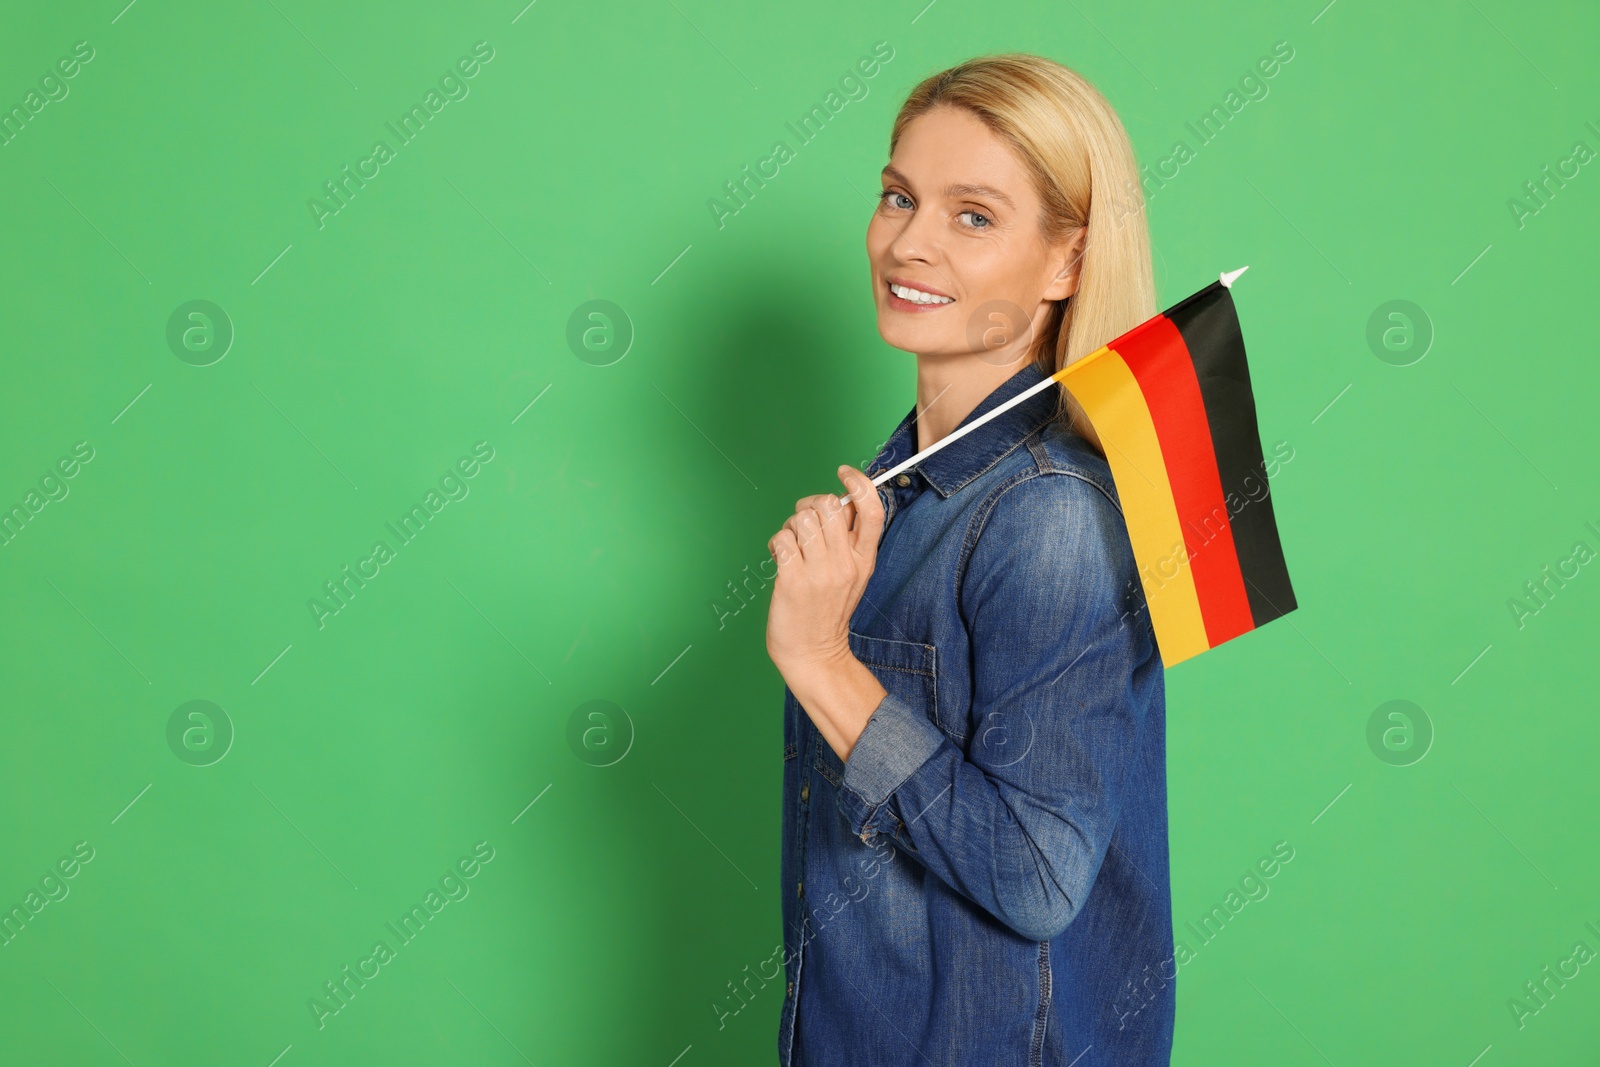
point(985, 880)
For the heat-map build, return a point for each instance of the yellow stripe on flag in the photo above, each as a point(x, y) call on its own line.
point(1112, 399)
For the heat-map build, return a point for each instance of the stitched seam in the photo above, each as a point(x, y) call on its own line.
point(932, 674)
point(902, 670)
point(891, 506)
point(865, 656)
point(1085, 478)
point(1041, 1019)
point(981, 518)
point(827, 772)
point(967, 481)
point(1035, 443)
point(1049, 465)
point(1082, 477)
point(790, 1015)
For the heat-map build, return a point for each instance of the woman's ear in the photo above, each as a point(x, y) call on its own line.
point(1068, 257)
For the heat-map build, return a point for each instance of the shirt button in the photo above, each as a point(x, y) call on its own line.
point(805, 791)
point(791, 990)
point(903, 481)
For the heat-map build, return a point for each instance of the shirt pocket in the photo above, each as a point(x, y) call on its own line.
point(909, 670)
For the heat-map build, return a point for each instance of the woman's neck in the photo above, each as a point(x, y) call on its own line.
point(949, 388)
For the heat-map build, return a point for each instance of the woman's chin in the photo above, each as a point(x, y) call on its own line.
point(922, 342)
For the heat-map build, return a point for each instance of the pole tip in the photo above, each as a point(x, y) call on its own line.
point(1228, 277)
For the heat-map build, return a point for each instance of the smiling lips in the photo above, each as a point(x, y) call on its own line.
point(909, 298)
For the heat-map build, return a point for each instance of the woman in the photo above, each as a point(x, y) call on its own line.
point(974, 788)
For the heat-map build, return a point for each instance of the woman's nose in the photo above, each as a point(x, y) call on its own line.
point(914, 239)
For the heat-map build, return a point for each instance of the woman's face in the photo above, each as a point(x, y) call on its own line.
point(959, 221)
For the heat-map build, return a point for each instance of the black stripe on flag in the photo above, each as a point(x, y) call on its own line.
point(1209, 324)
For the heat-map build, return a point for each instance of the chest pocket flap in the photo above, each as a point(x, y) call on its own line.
point(907, 669)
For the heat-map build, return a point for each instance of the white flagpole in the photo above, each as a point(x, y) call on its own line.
point(957, 434)
point(1227, 279)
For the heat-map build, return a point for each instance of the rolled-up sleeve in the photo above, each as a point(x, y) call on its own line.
point(1020, 822)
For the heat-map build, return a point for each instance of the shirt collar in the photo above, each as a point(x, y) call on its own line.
point(957, 463)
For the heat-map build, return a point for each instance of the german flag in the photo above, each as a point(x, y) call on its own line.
point(1171, 402)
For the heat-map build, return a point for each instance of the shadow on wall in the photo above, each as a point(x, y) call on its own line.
point(774, 371)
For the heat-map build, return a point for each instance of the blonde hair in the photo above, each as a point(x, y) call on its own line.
point(1071, 141)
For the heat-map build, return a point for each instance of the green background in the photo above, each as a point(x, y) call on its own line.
point(593, 556)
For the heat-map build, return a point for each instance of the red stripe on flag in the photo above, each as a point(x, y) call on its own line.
point(1162, 366)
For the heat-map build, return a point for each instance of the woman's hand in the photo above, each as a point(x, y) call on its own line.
point(825, 553)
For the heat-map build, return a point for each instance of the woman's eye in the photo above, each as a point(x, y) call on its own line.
point(887, 194)
point(976, 215)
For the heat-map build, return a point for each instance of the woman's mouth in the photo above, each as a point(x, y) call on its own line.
point(909, 298)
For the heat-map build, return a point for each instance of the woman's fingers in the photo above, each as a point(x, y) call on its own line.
point(803, 528)
point(833, 523)
point(868, 509)
point(819, 502)
point(818, 529)
point(823, 525)
point(785, 549)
